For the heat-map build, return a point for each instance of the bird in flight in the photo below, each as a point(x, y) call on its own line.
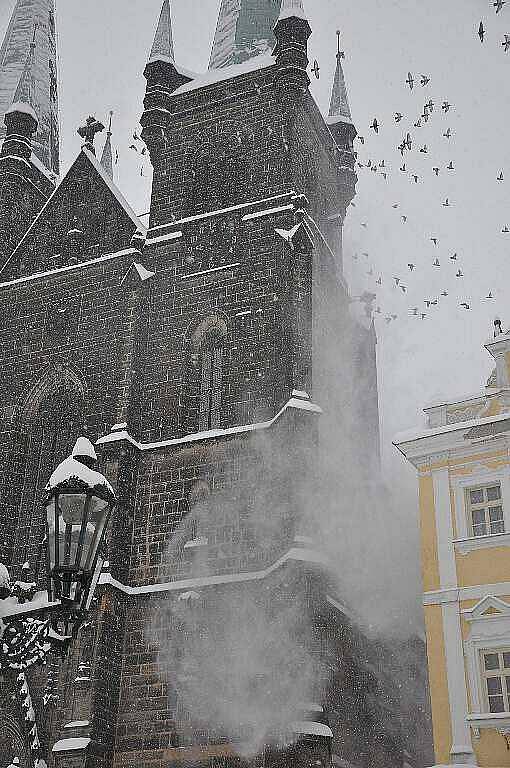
point(132, 146)
point(501, 177)
point(436, 171)
point(450, 166)
point(481, 32)
point(362, 139)
point(397, 280)
point(505, 230)
point(424, 80)
point(498, 5)
point(448, 134)
point(417, 124)
point(404, 219)
point(414, 311)
point(398, 117)
point(425, 115)
point(409, 142)
point(403, 168)
point(436, 263)
point(424, 149)
point(489, 296)
point(459, 273)
point(375, 125)
point(415, 177)
point(403, 288)
point(412, 266)
point(135, 136)
point(431, 303)
point(395, 205)
point(444, 293)
point(446, 106)
point(454, 257)
point(465, 305)
point(429, 106)
point(434, 240)
point(446, 203)
point(506, 43)
point(410, 81)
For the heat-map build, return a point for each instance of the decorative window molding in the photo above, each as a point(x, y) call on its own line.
point(480, 476)
point(463, 546)
point(489, 631)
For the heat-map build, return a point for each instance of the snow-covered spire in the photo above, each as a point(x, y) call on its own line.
point(25, 91)
point(292, 9)
point(339, 107)
point(28, 73)
point(163, 45)
point(340, 119)
point(107, 156)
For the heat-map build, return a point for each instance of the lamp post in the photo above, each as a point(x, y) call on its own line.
point(78, 502)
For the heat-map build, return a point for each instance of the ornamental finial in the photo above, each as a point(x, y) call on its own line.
point(88, 132)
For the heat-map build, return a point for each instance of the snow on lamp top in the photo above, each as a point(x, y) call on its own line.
point(24, 109)
point(76, 474)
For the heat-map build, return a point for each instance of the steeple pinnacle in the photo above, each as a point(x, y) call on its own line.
point(28, 73)
point(339, 107)
point(25, 92)
point(163, 46)
point(339, 119)
point(107, 156)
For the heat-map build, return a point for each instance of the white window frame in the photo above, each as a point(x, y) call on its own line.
point(480, 476)
point(486, 632)
point(484, 506)
point(499, 672)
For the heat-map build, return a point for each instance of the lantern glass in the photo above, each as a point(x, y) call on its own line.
point(76, 527)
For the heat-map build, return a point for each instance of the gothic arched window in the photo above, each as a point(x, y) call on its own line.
point(51, 422)
point(207, 373)
point(211, 379)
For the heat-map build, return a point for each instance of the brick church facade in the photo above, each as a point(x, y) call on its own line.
point(203, 356)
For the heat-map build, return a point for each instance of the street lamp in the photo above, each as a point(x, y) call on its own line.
point(78, 502)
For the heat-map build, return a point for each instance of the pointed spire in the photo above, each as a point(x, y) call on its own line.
point(292, 9)
point(339, 107)
point(25, 92)
point(107, 156)
point(163, 46)
point(28, 73)
point(243, 31)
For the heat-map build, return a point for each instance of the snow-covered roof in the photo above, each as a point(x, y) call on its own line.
point(114, 190)
point(42, 169)
point(213, 76)
point(413, 434)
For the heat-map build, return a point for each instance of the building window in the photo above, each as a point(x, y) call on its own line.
point(496, 675)
point(211, 362)
point(485, 510)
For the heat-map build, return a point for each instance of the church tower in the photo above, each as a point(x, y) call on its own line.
point(245, 28)
point(28, 73)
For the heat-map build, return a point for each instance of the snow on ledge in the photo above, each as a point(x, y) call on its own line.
point(213, 76)
point(313, 729)
point(68, 745)
point(294, 403)
point(296, 554)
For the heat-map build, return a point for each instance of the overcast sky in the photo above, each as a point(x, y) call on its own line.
point(103, 48)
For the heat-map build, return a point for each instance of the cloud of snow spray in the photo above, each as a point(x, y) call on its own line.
point(236, 656)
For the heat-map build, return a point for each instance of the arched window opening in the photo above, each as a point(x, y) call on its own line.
point(49, 436)
point(211, 367)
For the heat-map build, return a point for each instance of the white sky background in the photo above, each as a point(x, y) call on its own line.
point(103, 48)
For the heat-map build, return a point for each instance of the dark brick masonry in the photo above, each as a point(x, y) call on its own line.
point(223, 316)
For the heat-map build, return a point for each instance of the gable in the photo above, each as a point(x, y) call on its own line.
point(488, 607)
point(84, 218)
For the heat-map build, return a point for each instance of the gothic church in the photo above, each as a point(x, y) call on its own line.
point(203, 356)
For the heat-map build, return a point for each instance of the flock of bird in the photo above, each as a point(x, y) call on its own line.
point(408, 149)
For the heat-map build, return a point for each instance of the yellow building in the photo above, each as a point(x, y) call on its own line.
point(463, 462)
